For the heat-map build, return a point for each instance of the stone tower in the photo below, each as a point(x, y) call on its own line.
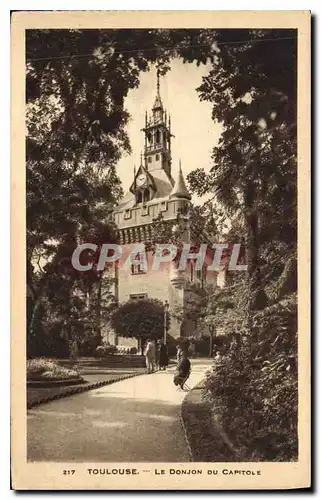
point(157, 188)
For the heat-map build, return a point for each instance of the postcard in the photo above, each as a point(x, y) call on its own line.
point(160, 250)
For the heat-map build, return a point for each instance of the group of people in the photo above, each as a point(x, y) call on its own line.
point(156, 356)
point(157, 359)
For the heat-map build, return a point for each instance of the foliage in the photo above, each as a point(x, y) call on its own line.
point(140, 319)
point(252, 182)
point(108, 350)
point(105, 350)
point(254, 387)
point(253, 175)
point(76, 133)
point(44, 369)
point(76, 85)
point(201, 345)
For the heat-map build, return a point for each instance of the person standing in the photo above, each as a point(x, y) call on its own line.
point(162, 355)
point(150, 352)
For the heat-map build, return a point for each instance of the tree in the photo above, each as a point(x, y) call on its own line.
point(76, 83)
point(140, 319)
point(252, 88)
point(253, 181)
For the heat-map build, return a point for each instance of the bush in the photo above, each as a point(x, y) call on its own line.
point(105, 350)
point(43, 369)
point(202, 345)
point(100, 351)
point(253, 390)
point(171, 344)
point(110, 349)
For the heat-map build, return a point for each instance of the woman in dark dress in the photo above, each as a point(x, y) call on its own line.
point(162, 355)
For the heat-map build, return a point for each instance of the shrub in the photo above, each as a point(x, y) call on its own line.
point(100, 351)
point(253, 390)
point(38, 366)
point(40, 369)
point(202, 345)
point(105, 350)
point(110, 349)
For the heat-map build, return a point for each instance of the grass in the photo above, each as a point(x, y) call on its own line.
point(36, 396)
point(207, 443)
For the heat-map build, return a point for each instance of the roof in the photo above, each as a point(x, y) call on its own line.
point(163, 185)
point(158, 103)
point(180, 190)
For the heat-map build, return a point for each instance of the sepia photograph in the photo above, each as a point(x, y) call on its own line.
point(160, 317)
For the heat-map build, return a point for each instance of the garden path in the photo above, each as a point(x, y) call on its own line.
point(135, 420)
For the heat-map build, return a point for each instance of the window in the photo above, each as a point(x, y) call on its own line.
point(149, 159)
point(137, 269)
point(145, 210)
point(163, 206)
point(138, 296)
point(139, 197)
point(157, 157)
point(127, 214)
point(146, 195)
point(157, 136)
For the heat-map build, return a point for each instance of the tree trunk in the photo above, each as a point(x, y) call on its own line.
point(141, 345)
point(211, 345)
point(31, 332)
point(99, 305)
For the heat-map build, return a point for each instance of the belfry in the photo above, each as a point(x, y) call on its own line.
point(158, 188)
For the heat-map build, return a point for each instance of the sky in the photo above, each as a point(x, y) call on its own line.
point(195, 132)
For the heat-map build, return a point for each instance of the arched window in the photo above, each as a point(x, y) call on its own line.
point(157, 136)
point(149, 159)
point(149, 137)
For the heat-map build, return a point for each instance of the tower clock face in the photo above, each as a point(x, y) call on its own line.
point(141, 178)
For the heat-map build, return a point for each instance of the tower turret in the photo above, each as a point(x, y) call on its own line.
point(179, 189)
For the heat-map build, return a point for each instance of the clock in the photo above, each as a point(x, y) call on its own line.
point(141, 179)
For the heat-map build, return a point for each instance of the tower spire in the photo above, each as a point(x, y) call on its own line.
point(157, 75)
point(158, 102)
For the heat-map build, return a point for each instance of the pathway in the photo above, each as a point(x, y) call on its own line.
point(135, 420)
